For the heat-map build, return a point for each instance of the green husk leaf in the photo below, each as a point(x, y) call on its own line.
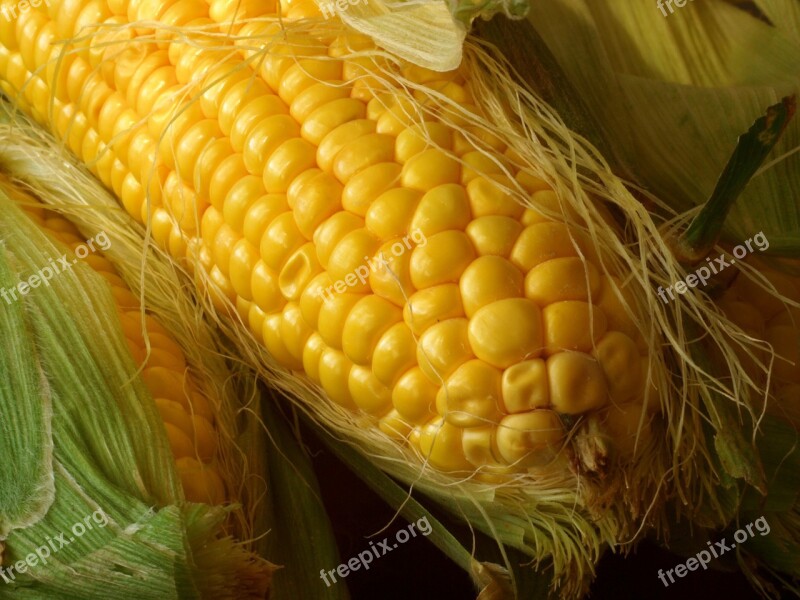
point(301, 534)
point(673, 93)
point(111, 456)
point(26, 441)
point(753, 148)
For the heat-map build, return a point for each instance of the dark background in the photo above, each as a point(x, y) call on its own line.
point(418, 570)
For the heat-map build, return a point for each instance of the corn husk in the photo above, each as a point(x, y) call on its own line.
point(672, 94)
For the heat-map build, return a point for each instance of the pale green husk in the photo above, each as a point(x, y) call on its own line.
point(98, 442)
point(673, 94)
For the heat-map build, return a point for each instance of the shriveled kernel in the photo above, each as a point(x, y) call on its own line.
point(432, 305)
point(471, 396)
point(619, 359)
point(430, 168)
point(577, 383)
point(365, 324)
point(332, 317)
point(506, 332)
point(414, 396)
point(542, 242)
point(488, 279)
point(441, 260)
point(390, 214)
point(443, 208)
point(562, 279)
point(394, 354)
point(443, 348)
point(441, 446)
point(369, 394)
point(494, 234)
point(298, 271)
point(489, 197)
point(572, 325)
point(530, 439)
point(525, 386)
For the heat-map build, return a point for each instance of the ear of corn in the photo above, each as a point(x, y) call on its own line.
point(99, 434)
point(281, 183)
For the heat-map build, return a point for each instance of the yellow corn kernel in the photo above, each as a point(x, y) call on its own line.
point(494, 234)
point(443, 208)
point(432, 305)
point(576, 382)
point(562, 279)
point(414, 396)
point(441, 260)
point(368, 320)
point(390, 214)
point(628, 428)
point(525, 386)
point(200, 482)
point(488, 197)
point(572, 325)
point(334, 375)
point(530, 439)
point(488, 279)
point(390, 271)
point(443, 348)
point(441, 445)
point(430, 168)
point(506, 332)
point(471, 396)
point(619, 359)
point(394, 354)
point(368, 394)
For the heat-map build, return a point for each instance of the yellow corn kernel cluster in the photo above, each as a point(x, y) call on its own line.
point(283, 175)
point(187, 414)
point(764, 317)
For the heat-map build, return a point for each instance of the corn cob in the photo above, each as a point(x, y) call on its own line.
point(187, 414)
point(279, 176)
